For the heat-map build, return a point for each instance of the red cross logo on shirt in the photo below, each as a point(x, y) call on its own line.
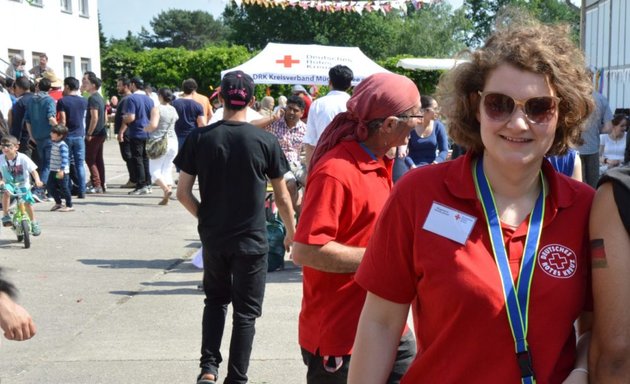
point(559, 261)
point(457, 217)
point(287, 61)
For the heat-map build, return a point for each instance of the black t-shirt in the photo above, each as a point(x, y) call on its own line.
point(18, 127)
point(232, 161)
point(118, 116)
point(96, 102)
point(620, 177)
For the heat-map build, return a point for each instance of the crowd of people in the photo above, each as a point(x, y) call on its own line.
point(513, 266)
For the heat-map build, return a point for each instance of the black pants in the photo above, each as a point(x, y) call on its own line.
point(140, 162)
point(239, 279)
point(59, 188)
point(320, 372)
point(590, 169)
point(125, 153)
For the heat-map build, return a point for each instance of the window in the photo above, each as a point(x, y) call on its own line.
point(66, 6)
point(37, 3)
point(13, 52)
point(68, 66)
point(83, 8)
point(86, 65)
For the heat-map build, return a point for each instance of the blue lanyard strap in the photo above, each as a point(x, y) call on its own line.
point(516, 299)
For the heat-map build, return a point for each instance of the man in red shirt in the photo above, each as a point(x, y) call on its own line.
point(347, 187)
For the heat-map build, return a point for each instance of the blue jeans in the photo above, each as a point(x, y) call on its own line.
point(76, 147)
point(239, 279)
point(43, 150)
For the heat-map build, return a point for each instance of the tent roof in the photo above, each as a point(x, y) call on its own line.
point(428, 64)
point(305, 64)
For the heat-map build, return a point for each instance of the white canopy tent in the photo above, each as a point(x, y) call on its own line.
point(428, 64)
point(305, 64)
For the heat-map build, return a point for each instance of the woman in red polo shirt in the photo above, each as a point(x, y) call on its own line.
point(491, 250)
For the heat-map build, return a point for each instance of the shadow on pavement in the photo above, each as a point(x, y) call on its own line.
point(133, 264)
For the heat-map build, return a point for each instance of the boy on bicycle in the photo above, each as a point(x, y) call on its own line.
point(15, 168)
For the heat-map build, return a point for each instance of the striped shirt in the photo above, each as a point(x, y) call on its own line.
point(59, 157)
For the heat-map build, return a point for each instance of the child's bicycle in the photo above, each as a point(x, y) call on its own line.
point(20, 222)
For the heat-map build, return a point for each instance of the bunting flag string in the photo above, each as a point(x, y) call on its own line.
point(384, 6)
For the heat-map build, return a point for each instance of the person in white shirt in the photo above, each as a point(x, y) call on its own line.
point(324, 109)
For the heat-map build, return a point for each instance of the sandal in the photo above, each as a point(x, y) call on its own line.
point(66, 209)
point(56, 207)
point(166, 197)
point(206, 381)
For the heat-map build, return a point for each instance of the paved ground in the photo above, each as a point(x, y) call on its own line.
point(114, 296)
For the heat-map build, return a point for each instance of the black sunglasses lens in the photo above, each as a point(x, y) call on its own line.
point(498, 106)
point(540, 109)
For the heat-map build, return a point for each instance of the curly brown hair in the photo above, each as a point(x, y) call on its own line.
point(528, 45)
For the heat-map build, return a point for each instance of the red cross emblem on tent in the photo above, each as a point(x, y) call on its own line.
point(287, 61)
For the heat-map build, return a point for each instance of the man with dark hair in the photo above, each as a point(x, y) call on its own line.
point(189, 111)
point(290, 131)
point(136, 115)
point(122, 86)
point(324, 109)
point(72, 109)
point(40, 116)
point(203, 100)
point(95, 135)
point(17, 126)
point(39, 70)
point(233, 160)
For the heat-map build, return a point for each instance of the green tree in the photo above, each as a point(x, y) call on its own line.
point(130, 42)
point(377, 35)
point(483, 13)
point(101, 37)
point(434, 31)
point(181, 28)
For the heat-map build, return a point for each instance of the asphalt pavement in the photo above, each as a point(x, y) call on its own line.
point(115, 297)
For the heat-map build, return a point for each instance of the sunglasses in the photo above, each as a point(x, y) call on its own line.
point(500, 107)
point(410, 116)
point(6, 145)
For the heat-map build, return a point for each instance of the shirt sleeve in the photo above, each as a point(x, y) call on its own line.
point(324, 201)
point(129, 107)
point(442, 142)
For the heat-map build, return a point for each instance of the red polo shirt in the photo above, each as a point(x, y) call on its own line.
point(345, 193)
point(462, 328)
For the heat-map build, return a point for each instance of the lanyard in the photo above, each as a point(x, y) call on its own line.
point(516, 299)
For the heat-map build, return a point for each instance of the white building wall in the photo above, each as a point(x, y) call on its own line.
point(607, 47)
point(47, 28)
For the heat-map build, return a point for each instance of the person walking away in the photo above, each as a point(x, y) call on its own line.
point(162, 126)
point(40, 116)
point(232, 160)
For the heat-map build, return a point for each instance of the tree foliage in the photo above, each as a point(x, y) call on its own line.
point(168, 67)
point(483, 13)
point(429, 31)
point(182, 28)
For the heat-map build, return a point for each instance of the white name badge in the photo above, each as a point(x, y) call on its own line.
point(449, 222)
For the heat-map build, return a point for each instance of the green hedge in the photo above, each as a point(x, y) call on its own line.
point(168, 67)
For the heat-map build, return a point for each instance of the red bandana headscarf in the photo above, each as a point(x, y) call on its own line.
point(378, 96)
